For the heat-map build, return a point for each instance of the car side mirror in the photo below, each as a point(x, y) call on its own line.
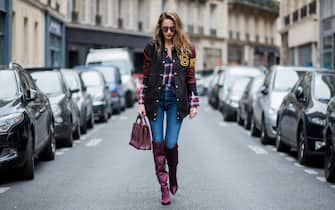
point(299, 94)
point(84, 88)
point(31, 95)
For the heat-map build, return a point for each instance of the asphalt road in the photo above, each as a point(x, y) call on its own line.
point(221, 167)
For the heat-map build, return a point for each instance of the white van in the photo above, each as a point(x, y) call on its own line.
point(121, 58)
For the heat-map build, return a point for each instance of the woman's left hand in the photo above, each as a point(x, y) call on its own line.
point(193, 112)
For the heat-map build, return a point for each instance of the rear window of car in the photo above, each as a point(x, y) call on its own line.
point(91, 79)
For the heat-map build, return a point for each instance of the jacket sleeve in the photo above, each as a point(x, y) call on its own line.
point(146, 71)
point(191, 81)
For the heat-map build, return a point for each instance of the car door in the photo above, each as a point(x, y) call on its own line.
point(261, 98)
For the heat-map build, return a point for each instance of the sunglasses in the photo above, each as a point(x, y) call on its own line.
point(165, 29)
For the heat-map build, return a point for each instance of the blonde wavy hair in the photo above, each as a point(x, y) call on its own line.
point(180, 39)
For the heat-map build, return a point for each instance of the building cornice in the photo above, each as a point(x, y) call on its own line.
point(106, 29)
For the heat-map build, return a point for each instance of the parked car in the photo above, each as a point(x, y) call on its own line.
point(302, 115)
point(234, 96)
point(116, 88)
point(328, 136)
point(277, 84)
point(203, 84)
point(214, 88)
point(233, 73)
point(65, 111)
point(121, 58)
point(81, 98)
point(98, 89)
point(26, 122)
point(245, 110)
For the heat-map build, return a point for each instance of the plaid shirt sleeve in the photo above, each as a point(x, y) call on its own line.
point(146, 71)
point(191, 81)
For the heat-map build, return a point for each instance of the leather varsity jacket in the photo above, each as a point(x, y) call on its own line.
point(184, 81)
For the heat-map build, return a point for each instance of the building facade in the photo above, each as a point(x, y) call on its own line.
point(300, 32)
point(327, 33)
point(5, 31)
point(130, 23)
point(38, 29)
point(253, 32)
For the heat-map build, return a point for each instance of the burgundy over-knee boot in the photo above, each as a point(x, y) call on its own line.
point(172, 160)
point(162, 176)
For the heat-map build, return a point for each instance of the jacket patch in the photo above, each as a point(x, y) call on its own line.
point(192, 62)
point(184, 60)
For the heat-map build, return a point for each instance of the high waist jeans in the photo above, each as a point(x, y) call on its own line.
point(167, 106)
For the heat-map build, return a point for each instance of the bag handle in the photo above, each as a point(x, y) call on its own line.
point(142, 120)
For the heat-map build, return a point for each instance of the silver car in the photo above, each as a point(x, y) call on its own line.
point(278, 82)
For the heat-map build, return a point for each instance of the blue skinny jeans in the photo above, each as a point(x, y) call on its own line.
point(167, 106)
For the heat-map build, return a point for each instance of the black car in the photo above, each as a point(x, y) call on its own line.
point(81, 98)
point(302, 115)
point(244, 112)
point(26, 122)
point(66, 112)
point(234, 96)
point(99, 90)
point(329, 139)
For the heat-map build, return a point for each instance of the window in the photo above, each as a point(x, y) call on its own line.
point(2, 36)
point(36, 43)
point(213, 8)
point(82, 10)
point(287, 19)
point(164, 8)
point(25, 39)
point(312, 7)
point(230, 34)
point(324, 87)
point(295, 16)
point(303, 12)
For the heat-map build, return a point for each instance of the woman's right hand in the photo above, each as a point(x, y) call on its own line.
point(141, 110)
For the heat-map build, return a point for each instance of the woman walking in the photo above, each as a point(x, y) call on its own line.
point(169, 87)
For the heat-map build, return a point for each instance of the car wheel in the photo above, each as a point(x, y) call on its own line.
point(83, 129)
point(264, 137)
point(90, 123)
point(129, 99)
point(247, 122)
point(240, 121)
point(253, 130)
point(329, 163)
point(280, 145)
point(50, 149)
point(76, 134)
point(302, 149)
point(27, 169)
point(69, 140)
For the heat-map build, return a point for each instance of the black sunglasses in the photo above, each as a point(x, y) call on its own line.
point(165, 29)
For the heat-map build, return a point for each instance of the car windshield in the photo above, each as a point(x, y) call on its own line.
point(285, 79)
point(91, 79)
point(48, 82)
point(324, 87)
point(71, 80)
point(123, 65)
point(108, 74)
point(8, 85)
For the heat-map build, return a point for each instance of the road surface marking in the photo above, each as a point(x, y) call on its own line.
point(64, 150)
point(93, 142)
point(311, 171)
point(59, 153)
point(298, 165)
point(4, 189)
point(257, 149)
point(222, 124)
point(290, 159)
point(321, 179)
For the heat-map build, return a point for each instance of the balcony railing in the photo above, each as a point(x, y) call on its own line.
point(74, 17)
point(213, 32)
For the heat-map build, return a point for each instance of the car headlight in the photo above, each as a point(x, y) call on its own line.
point(317, 121)
point(7, 121)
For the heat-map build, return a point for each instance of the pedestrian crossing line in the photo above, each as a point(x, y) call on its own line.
point(311, 171)
point(290, 159)
point(4, 189)
point(321, 179)
point(93, 142)
point(58, 153)
point(222, 124)
point(258, 150)
point(298, 165)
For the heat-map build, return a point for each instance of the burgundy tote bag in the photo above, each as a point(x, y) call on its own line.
point(140, 134)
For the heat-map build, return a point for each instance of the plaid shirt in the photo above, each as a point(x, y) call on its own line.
point(168, 82)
